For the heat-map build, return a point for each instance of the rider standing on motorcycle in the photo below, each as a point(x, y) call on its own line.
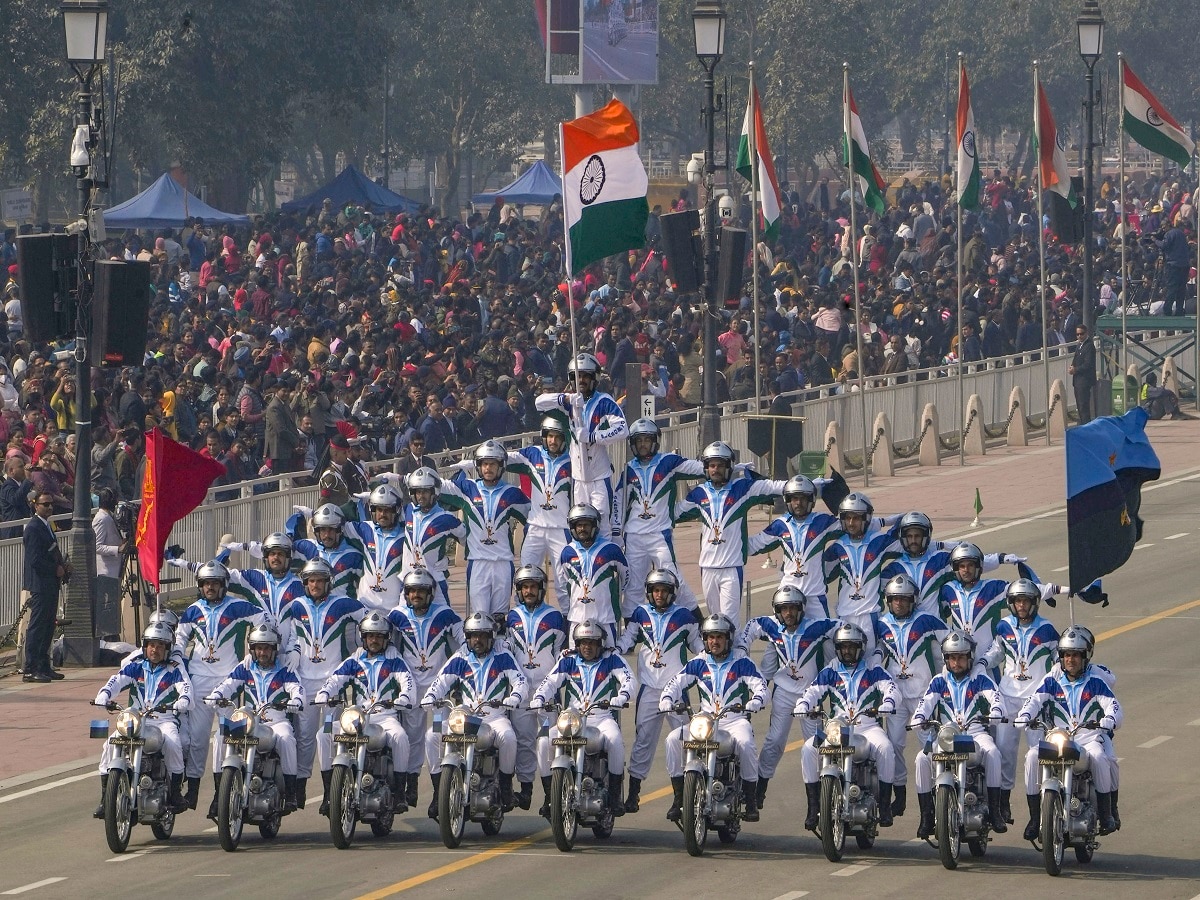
point(478, 673)
point(957, 696)
point(907, 641)
point(377, 673)
point(1024, 651)
point(802, 535)
point(594, 570)
point(853, 688)
point(260, 679)
point(427, 634)
point(590, 675)
point(546, 468)
point(536, 634)
point(381, 543)
point(323, 625)
point(856, 558)
point(1068, 699)
point(428, 528)
point(330, 544)
point(722, 679)
point(799, 648)
point(154, 680)
point(216, 626)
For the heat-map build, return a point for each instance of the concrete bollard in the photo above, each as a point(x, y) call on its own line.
point(1169, 378)
point(930, 454)
point(836, 457)
point(883, 460)
point(1058, 403)
point(1018, 432)
point(975, 436)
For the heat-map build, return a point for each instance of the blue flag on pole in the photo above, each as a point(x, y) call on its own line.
point(1108, 461)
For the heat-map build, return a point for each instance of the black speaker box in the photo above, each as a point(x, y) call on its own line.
point(685, 257)
point(47, 274)
point(734, 244)
point(120, 313)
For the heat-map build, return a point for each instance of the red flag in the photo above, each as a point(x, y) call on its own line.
point(177, 478)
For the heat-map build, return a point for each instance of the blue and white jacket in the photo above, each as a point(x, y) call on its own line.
point(968, 702)
point(607, 678)
point(722, 512)
point(645, 499)
point(549, 479)
point(665, 641)
point(249, 683)
point(850, 692)
point(473, 679)
point(488, 514)
point(1025, 654)
point(324, 634)
point(371, 679)
point(735, 679)
point(426, 536)
point(792, 659)
point(165, 684)
point(535, 638)
point(426, 642)
point(218, 634)
point(803, 542)
point(858, 567)
point(911, 649)
point(595, 577)
point(595, 422)
point(1061, 702)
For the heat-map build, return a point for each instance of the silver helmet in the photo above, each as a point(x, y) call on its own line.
point(900, 586)
point(788, 595)
point(277, 540)
point(316, 568)
point(491, 450)
point(957, 642)
point(532, 573)
point(384, 496)
point(917, 520)
point(552, 424)
point(1023, 587)
point(375, 623)
point(589, 630)
point(264, 634)
point(849, 634)
point(799, 486)
point(1075, 640)
point(662, 578)
point(966, 551)
point(856, 502)
point(328, 516)
point(717, 450)
point(1088, 636)
point(419, 579)
point(479, 623)
point(158, 631)
point(422, 479)
point(645, 428)
point(213, 571)
point(583, 363)
point(164, 616)
point(716, 624)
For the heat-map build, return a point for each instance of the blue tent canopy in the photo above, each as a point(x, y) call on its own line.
point(165, 204)
point(352, 186)
point(537, 184)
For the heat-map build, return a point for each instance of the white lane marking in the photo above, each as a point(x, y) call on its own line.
point(88, 762)
point(1144, 546)
point(45, 787)
point(1194, 723)
point(1174, 537)
point(916, 841)
point(210, 876)
point(124, 857)
point(31, 887)
point(1154, 742)
point(1061, 569)
point(852, 870)
point(792, 895)
point(212, 830)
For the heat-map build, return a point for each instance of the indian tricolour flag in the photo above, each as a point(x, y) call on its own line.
point(604, 185)
point(1052, 156)
point(968, 160)
point(857, 155)
point(1148, 122)
point(768, 187)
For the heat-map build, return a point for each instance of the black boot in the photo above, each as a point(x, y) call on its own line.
point(633, 801)
point(544, 812)
point(212, 807)
point(1035, 817)
point(175, 795)
point(506, 792)
point(885, 804)
point(1005, 807)
point(812, 793)
point(435, 778)
point(193, 793)
point(399, 785)
point(760, 793)
point(1116, 815)
point(524, 797)
point(925, 826)
point(289, 794)
point(411, 791)
point(996, 811)
point(1104, 813)
point(615, 803)
point(301, 792)
point(750, 799)
point(326, 778)
point(676, 810)
point(899, 799)
point(99, 813)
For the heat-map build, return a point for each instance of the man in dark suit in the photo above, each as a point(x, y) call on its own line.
point(1083, 374)
point(282, 435)
point(45, 570)
point(14, 494)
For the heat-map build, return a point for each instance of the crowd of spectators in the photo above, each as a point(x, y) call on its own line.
point(264, 343)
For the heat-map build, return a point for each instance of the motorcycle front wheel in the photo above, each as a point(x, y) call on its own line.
point(164, 827)
point(946, 826)
point(118, 811)
point(833, 828)
point(342, 816)
point(452, 817)
point(1053, 842)
point(695, 822)
point(229, 809)
point(563, 821)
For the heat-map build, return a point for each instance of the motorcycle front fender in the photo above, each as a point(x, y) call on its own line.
point(834, 770)
point(946, 779)
point(562, 761)
point(344, 759)
point(233, 761)
point(1052, 785)
point(697, 766)
point(454, 759)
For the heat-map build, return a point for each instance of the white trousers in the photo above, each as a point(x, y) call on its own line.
point(172, 748)
point(878, 746)
point(739, 730)
point(285, 745)
point(988, 754)
point(613, 740)
point(648, 724)
point(894, 725)
point(489, 586)
point(506, 744)
point(198, 728)
point(415, 723)
point(783, 701)
point(533, 747)
point(654, 551)
point(1093, 747)
point(599, 494)
point(1008, 742)
point(542, 547)
point(312, 740)
point(723, 592)
point(393, 733)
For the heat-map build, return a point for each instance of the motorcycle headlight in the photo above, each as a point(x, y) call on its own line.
point(570, 723)
point(945, 738)
point(702, 727)
point(833, 732)
point(1059, 739)
point(129, 724)
point(352, 720)
point(456, 722)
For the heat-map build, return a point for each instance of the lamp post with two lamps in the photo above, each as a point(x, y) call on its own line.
point(1090, 27)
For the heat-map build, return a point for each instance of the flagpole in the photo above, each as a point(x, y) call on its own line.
point(562, 176)
point(1124, 239)
point(962, 403)
point(850, 180)
point(1041, 211)
point(755, 199)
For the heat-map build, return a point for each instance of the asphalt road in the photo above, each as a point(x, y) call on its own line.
point(1149, 636)
point(634, 59)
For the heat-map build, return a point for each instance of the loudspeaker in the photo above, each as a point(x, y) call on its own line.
point(120, 313)
point(685, 257)
point(47, 272)
point(732, 265)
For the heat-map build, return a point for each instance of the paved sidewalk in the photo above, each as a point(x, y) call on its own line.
point(45, 726)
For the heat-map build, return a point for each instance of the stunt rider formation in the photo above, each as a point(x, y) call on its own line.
point(359, 666)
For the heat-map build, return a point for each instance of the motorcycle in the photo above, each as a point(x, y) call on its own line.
point(1068, 792)
point(138, 783)
point(251, 787)
point(360, 785)
point(712, 780)
point(960, 806)
point(579, 776)
point(469, 787)
point(849, 785)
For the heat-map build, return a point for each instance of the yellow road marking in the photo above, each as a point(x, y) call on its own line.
point(520, 843)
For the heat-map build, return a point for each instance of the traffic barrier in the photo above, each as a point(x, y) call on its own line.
point(1018, 425)
point(882, 459)
point(930, 454)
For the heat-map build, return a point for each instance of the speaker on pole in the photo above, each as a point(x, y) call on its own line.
point(47, 273)
point(685, 257)
point(732, 265)
point(120, 313)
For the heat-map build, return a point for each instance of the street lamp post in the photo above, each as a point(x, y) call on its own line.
point(708, 21)
point(1090, 25)
point(85, 23)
